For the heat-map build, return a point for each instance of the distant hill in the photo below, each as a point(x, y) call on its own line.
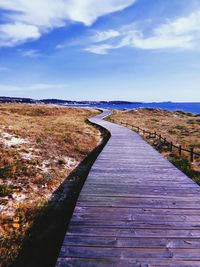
point(4, 99)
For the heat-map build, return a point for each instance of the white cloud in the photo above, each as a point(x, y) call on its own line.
point(100, 37)
point(91, 37)
point(181, 33)
point(159, 42)
point(180, 26)
point(30, 53)
point(28, 20)
point(105, 35)
point(12, 34)
point(87, 11)
point(32, 87)
point(101, 49)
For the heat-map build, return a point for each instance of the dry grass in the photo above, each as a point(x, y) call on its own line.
point(177, 127)
point(40, 146)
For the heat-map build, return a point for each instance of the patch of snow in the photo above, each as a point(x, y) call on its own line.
point(27, 156)
point(70, 162)
point(9, 182)
point(15, 142)
point(5, 135)
point(46, 162)
point(9, 140)
point(3, 207)
point(18, 197)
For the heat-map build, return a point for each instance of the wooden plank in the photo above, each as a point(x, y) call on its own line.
point(109, 223)
point(146, 253)
point(140, 217)
point(131, 232)
point(144, 196)
point(98, 201)
point(92, 262)
point(134, 242)
point(124, 212)
point(133, 189)
point(135, 209)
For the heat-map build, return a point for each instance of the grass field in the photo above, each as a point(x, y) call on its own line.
point(177, 127)
point(39, 147)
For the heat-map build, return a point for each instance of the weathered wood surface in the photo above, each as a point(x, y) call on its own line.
point(135, 209)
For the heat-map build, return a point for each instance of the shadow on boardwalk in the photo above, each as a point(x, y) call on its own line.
point(42, 245)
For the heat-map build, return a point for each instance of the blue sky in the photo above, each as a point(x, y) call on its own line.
point(137, 50)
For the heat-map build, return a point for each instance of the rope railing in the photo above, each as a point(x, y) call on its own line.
point(170, 144)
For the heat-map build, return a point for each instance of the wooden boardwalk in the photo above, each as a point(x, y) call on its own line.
point(135, 209)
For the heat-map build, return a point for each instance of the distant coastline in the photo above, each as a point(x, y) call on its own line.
point(193, 107)
point(4, 99)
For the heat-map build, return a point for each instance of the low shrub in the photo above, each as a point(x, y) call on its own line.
point(5, 190)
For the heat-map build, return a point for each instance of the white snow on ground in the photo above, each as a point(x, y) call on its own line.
point(9, 140)
point(5, 135)
point(14, 141)
point(70, 162)
point(27, 155)
point(18, 197)
point(3, 207)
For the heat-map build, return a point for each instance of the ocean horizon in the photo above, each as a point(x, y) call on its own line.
point(193, 107)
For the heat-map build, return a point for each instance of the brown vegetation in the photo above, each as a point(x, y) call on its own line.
point(39, 147)
point(177, 127)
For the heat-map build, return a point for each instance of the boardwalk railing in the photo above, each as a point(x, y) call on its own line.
point(165, 142)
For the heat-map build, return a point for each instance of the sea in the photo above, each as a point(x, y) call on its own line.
point(193, 107)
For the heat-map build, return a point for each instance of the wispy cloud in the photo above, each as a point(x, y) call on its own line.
point(104, 36)
point(183, 32)
point(28, 20)
point(32, 87)
point(30, 53)
point(101, 49)
point(90, 37)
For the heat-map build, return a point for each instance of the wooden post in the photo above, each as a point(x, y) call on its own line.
point(143, 132)
point(191, 154)
point(179, 149)
point(138, 129)
point(171, 146)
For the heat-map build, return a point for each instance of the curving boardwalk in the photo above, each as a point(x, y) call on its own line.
point(135, 209)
